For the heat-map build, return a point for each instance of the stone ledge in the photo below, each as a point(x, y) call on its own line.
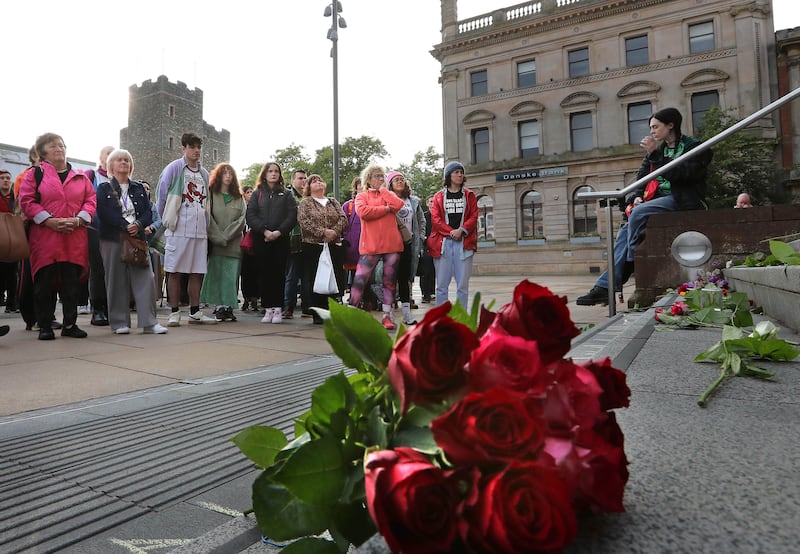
point(774, 288)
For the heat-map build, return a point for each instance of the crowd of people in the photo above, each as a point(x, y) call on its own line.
point(99, 240)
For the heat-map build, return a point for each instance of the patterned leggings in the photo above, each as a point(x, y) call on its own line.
point(366, 265)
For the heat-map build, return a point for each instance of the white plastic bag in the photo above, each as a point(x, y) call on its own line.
point(325, 279)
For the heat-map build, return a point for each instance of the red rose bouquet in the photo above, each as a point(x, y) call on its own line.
point(471, 433)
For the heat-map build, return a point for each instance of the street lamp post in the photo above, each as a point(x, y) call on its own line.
point(333, 10)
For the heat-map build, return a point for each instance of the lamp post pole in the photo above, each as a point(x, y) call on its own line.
point(333, 11)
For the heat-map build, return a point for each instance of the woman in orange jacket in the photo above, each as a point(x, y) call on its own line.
point(380, 239)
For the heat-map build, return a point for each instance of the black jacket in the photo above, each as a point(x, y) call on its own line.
point(275, 210)
point(687, 180)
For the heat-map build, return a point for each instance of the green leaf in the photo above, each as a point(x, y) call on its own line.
point(459, 314)
point(353, 522)
point(784, 253)
point(260, 444)
point(377, 428)
point(716, 353)
point(315, 472)
point(357, 338)
point(419, 438)
point(311, 545)
point(753, 370)
point(711, 314)
point(335, 394)
point(776, 349)
point(283, 517)
point(729, 332)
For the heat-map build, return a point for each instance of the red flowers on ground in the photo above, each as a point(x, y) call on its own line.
point(527, 443)
point(411, 501)
point(427, 364)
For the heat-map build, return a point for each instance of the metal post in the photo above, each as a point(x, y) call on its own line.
point(335, 55)
point(612, 302)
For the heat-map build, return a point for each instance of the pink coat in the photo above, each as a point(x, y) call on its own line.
point(76, 195)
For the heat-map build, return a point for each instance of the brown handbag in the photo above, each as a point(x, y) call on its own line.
point(404, 232)
point(13, 240)
point(133, 251)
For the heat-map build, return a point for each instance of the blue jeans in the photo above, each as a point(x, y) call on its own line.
point(629, 236)
point(294, 273)
point(451, 265)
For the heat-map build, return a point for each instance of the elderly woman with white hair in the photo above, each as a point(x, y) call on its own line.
point(123, 206)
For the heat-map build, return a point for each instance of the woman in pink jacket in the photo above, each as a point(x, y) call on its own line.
point(380, 239)
point(60, 204)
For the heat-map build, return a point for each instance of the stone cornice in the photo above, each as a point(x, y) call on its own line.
point(750, 7)
point(605, 75)
point(537, 24)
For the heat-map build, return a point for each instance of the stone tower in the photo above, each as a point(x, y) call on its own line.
point(158, 114)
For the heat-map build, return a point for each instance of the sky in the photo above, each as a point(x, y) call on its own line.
point(264, 68)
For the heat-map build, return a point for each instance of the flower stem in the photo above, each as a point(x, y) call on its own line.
point(704, 398)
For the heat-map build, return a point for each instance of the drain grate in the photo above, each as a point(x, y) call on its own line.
point(62, 486)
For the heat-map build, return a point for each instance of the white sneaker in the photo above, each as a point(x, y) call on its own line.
point(122, 330)
point(267, 316)
point(200, 317)
point(174, 319)
point(83, 310)
point(277, 315)
point(156, 329)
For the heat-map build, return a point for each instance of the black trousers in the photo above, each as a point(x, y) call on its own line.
point(64, 277)
point(8, 283)
point(97, 273)
point(271, 257)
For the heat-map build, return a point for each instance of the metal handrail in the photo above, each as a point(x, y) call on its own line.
point(705, 145)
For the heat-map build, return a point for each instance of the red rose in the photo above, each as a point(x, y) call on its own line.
point(602, 473)
point(524, 508)
point(428, 362)
point(679, 308)
point(502, 360)
point(659, 311)
point(497, 425)
point(537, 314)
point(573, 399)
point(616, 393)
point(412, 502)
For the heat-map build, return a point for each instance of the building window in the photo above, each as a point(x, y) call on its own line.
point(636, 51)
point(479, 83)
point(578, 62)
point(638, 121)
point(701, 37)
point(580, 131)
point(529, 139)
point(485, 218)
point(526, 74)
point(171, 111)
point(531, 216)
point(214, 154)
point(701, 103)
point(584, 214)
point(171, 143)
point(480, 145)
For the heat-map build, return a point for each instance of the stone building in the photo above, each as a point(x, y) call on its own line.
point(545, 99)
point(158, 114)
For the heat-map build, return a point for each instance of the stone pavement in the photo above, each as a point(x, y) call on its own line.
point(118, 444)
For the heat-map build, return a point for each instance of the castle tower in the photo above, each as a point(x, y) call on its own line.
point(158, 114)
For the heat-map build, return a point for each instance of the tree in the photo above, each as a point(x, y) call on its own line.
point(424, 174)
point(250, 175)
point(355, 153)
point(291, 159)
point(743, 162)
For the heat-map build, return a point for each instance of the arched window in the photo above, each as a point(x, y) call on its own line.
point(584, 213)
point(485, 218)
point(531, 215)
